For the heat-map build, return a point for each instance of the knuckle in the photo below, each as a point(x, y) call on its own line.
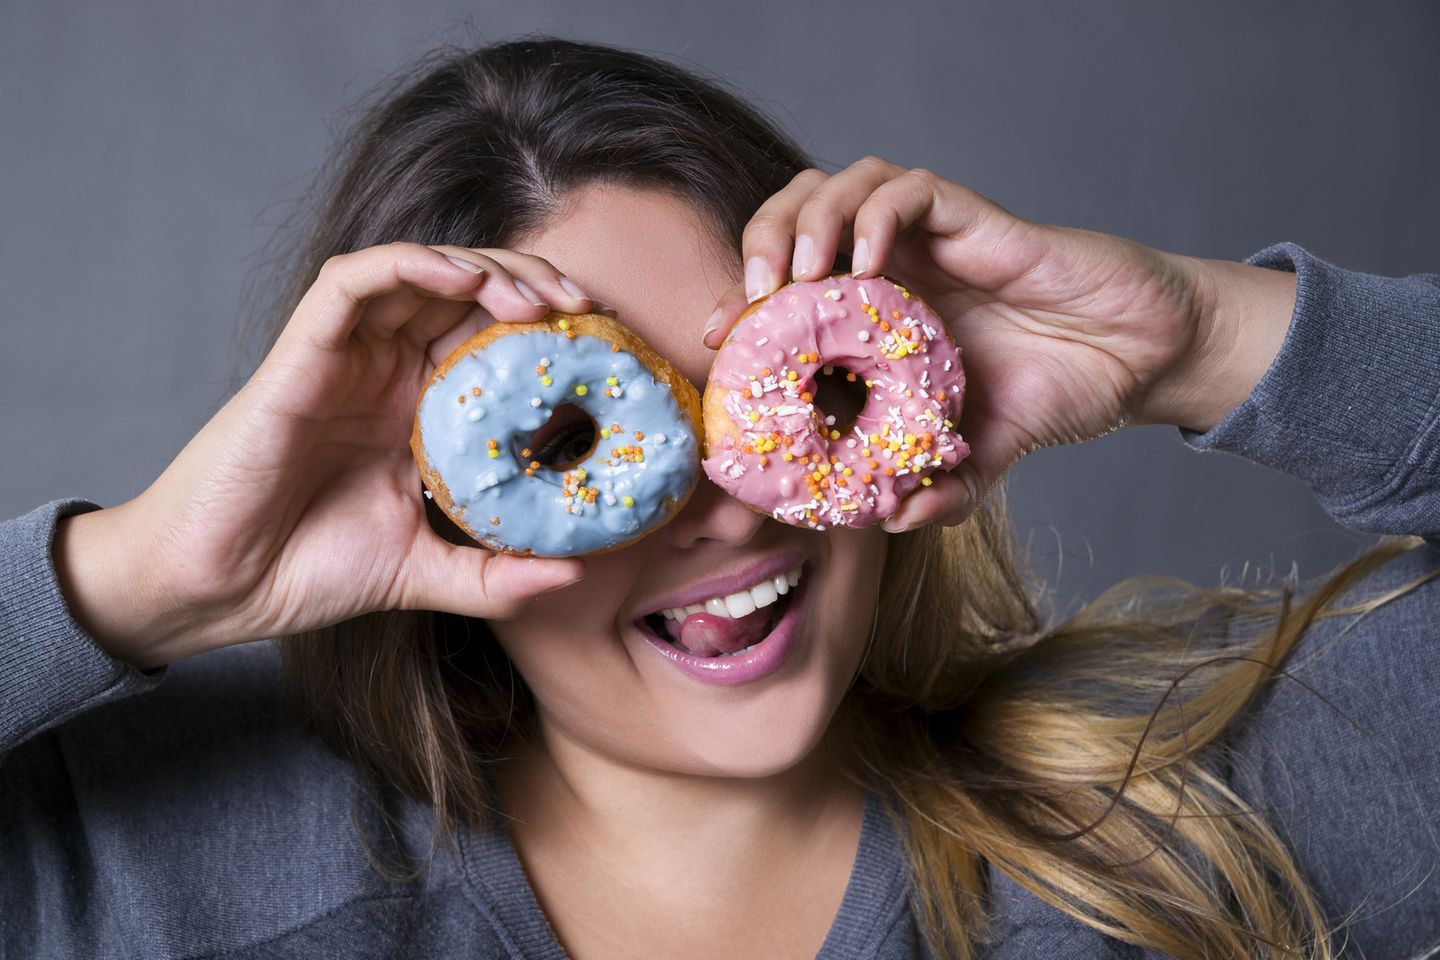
point(810, 175)
point(924, 175)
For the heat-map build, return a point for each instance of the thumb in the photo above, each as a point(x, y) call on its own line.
point(474, 582)
point(957, 494)
point(731, 305)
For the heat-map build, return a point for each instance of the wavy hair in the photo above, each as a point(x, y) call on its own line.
point(1059, 755)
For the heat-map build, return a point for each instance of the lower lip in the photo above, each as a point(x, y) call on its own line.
point(761, 660)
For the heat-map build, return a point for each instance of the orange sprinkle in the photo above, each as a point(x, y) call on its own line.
point(885, 325)
point(765, 372)
point(569, 334)
point(940, 395)
point(495, 521)
point(889, 471)
point(639, 435)
point(614, 348)
point(850, 377)
point(525, 452)
point(475, 391)
point(895, 314)
point(805, 396)
point(867, 478)
point(534, 464)
point(462, 398)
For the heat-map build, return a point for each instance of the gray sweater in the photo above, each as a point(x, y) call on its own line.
point(182, 813)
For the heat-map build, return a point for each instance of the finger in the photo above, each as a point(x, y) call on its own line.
point(537, 278)
point(826, 216)
point(925, 201)
point(768, 240)
point(732, 303)
point(474, 582)
point(336, 304)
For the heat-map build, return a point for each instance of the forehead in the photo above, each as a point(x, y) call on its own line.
point(652, 256)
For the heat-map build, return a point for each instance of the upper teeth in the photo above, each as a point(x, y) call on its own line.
point(742, 603)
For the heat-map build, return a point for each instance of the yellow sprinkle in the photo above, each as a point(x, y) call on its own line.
point(581, 389)
point(926, 481)
point(564, 324)
point(546, 380)
point(604, 433)
point(824, 468)
point(792, 376)
point(847, 471)
point(613, 381)
point(494, 453)
point(834, 434)
point(628, 501)
point(787, 456)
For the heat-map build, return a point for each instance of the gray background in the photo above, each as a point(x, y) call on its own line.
point(148, 150)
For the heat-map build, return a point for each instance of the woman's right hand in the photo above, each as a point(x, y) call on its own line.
point(298, 505)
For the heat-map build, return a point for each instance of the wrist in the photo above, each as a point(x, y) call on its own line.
point(1242, 314)
point(115, 590)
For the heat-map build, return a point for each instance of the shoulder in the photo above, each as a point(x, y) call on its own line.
point(199, 814)
point(1339, 754)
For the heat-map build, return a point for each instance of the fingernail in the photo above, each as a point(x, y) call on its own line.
point(602, 307)
point(711, 325)
point(528, 293)
point(860, 258)
point(804, 254)
point(757, 279)
point(572, 289)
point(895, 525)
point(465, 264)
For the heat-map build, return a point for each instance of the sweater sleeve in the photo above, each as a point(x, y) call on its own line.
point(1351, 403)
point(50, 668)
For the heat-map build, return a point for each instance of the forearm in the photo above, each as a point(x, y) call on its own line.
point(1242, 315)
point(115, 591)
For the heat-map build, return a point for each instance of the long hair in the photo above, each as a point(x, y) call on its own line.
point(1059, 755)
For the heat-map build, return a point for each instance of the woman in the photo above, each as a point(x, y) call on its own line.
point(936, 771)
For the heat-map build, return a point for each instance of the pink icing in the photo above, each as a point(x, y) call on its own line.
point(905, 432)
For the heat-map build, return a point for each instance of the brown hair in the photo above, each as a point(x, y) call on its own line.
point(1057, 754)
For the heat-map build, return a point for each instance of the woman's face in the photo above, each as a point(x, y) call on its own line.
point(599, 681)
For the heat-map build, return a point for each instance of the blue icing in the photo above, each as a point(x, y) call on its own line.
point(532, 509)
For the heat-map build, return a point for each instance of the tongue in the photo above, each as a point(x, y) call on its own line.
point(707, 635)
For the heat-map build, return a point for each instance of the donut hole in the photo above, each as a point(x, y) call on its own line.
point(567, 438)
point(841, 394)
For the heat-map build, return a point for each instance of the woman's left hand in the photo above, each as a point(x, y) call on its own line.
point(1065, 334)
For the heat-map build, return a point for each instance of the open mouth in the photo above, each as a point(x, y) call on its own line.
point(730, 625)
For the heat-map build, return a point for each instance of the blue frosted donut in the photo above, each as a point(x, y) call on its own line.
point(618, 458)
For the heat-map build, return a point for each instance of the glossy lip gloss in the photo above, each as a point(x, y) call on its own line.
point(765, 658)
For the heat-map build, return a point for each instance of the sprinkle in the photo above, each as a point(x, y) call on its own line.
point(614, 348)
point(762, 341)
point(429, 495)
point(461, 398)
point(535, 401)
point(755, 389)
point(833, 294)
point(494, 521)
point(563, 324)
point(475, 413)
point(612, 381)
point(494, 453)
point(475, 391)
point(604, 433)
point(628, 501)
point(864, 336)
point(834, 434)
point(639, 435)
point(546, 381)
point(657, 438)
point(544, 361)
point(581, 389)
point(926, 481)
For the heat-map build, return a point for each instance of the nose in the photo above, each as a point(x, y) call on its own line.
point(712, 514)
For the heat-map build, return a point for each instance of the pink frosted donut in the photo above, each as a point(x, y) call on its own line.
point(768, 444)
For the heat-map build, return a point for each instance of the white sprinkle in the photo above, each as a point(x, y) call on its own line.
point(829, 369)
point(864, 296)
point(610, 500)
point(794, 350)
point(616, 391)
point(850, 443)
point(833, 293)
point(544, 361)
point(475, 413)
point(947, 364)
point(429, 495)
point(535, 401)
point(755, 389)
point(762, 341)
point(830, 421)
point(864, 336)
point(657, 438)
